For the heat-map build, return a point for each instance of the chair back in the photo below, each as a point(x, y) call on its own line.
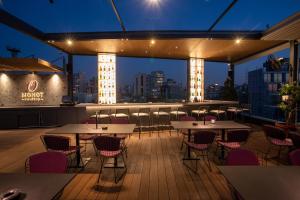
point(119, 120)
point(209, 117)
point(144, 110)
point(187, 118)
point(204, 137)
point(107, 143)
point(241, 157)
point(237, 136)
point(294, 157)
point(274, 132)
point(122, 110)
point(56, 142)
point(164, 109)
point(224, 108)
point(48, 162)
point(107, 111)
point(295, 137)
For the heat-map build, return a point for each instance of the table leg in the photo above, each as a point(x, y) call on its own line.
point(222, 147)
point(189, 139)
point(77, 151)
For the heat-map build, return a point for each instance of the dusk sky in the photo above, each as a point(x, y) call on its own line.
point(97, 15)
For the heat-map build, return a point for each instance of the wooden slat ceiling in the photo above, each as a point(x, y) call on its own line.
point(288, 29)
point(219, 50)
point(27, 64)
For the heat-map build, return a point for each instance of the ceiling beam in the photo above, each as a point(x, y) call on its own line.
point(112, 2)
point(19, 25)
point(222, 15)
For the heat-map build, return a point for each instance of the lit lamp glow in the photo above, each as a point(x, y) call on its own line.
point(106, 78)
point(285, 97)
point(196, 77)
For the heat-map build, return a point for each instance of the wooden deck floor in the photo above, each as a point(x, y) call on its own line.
point(155, 169)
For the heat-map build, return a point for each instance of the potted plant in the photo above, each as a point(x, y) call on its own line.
point(290, 95)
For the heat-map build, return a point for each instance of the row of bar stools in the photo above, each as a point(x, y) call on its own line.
point(143, 117)
point(162, 118)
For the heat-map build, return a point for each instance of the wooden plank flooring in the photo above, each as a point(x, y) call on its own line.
point(155, 168)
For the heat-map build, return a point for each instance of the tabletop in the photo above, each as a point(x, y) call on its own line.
point(208, 125)
point(91, 128)
point(253, 182)
point(35, 186)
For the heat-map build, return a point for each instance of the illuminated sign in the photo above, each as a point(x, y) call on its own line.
point(32, 94)
point(196, 78)
point(107, 78)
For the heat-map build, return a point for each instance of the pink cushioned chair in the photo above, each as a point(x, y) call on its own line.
point(87, 138)
point(294, 157)
point(235, 138)
point(47, 162)
point(238, 157)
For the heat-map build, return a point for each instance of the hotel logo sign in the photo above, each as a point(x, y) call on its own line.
point(32, 93)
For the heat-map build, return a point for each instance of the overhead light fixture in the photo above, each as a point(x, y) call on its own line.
point(152, 41)
point(69, 42)
point(176, 47)
point(153, 2)
point(238, 41)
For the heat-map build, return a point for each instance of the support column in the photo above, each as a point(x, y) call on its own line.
point(70, 76)
point(195, 80)
point(230, 74)
point(294, 62)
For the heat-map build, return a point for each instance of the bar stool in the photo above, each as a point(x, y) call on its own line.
point(221, 111)
point(202, 111)
point(121, 113)
point(102, 114)
point(233, 111)
point(143, 119)
point(179, 112)
point(162, 117)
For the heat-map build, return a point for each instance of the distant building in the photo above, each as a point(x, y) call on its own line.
point(213, 91)
point(157, 79)
point(142, 86)
point(263, 88)
point(172, 91)
point(84, 90)
point(242, 93)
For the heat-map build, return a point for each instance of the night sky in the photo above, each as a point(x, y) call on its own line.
point(97, 15)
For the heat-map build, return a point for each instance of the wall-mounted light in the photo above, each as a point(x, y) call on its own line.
point(69, 42)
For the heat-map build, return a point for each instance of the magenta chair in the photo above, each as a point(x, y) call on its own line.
point(209, 117)
point(116, 120)
point(294, 157)
point(109, 147)
point(238, 157)
point(47, 162)
point(202, 143)
point(184, 133)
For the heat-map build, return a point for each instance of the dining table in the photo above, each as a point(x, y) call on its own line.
point(33, 186)
point(207, 125)
point(261, 183)
point(98, 129)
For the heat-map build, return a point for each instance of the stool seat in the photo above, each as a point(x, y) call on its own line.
point(140, 114)
point(119, 115)
point(235, 110)
point(160, 113)
point(178, 112)
point(218, 111)
point(199, 111)
point(100, 116)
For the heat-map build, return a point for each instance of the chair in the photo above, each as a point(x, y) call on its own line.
point(87, 138)
point(202, 142)
point(60, 144)
point(276, 138)
point(115, 120)
point(141, 115)
point(233, 112)
point(202, 111)
point(109, 147)
point(209, 117)
point(180, 111)
point(235, 138)
point(47, 162)
point(162, 117)
point(294, 157)
point(221, 111)
point(101, 115)
point(121, 113)
point(295, 137)
point(184, 133)
point(239, 157)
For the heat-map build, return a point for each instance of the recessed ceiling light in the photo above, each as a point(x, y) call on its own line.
point(146, 51)
point(126, 39)
point(122, 50)
point(69, 42)
point(176, 47)
point(238, 41)
point(152, 41)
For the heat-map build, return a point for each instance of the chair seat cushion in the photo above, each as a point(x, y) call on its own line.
point(160, 113)
point(87, 137)
point(140, 114)
point(71, 150)
point(217, 111)
point(119, 115)
point(177, 112)
point(110, 153)
point(286, 142)
point(230, 145)
point(197, 146)
point(199, 111)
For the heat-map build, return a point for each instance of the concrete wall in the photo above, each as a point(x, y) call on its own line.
point(51, 86)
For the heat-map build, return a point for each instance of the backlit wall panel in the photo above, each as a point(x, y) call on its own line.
point(196, 79)
point(106, 78)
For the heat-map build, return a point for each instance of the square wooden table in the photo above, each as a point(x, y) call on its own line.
point(77, 129)
point(199, 125)
point(261, 183)
point(35, 186)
